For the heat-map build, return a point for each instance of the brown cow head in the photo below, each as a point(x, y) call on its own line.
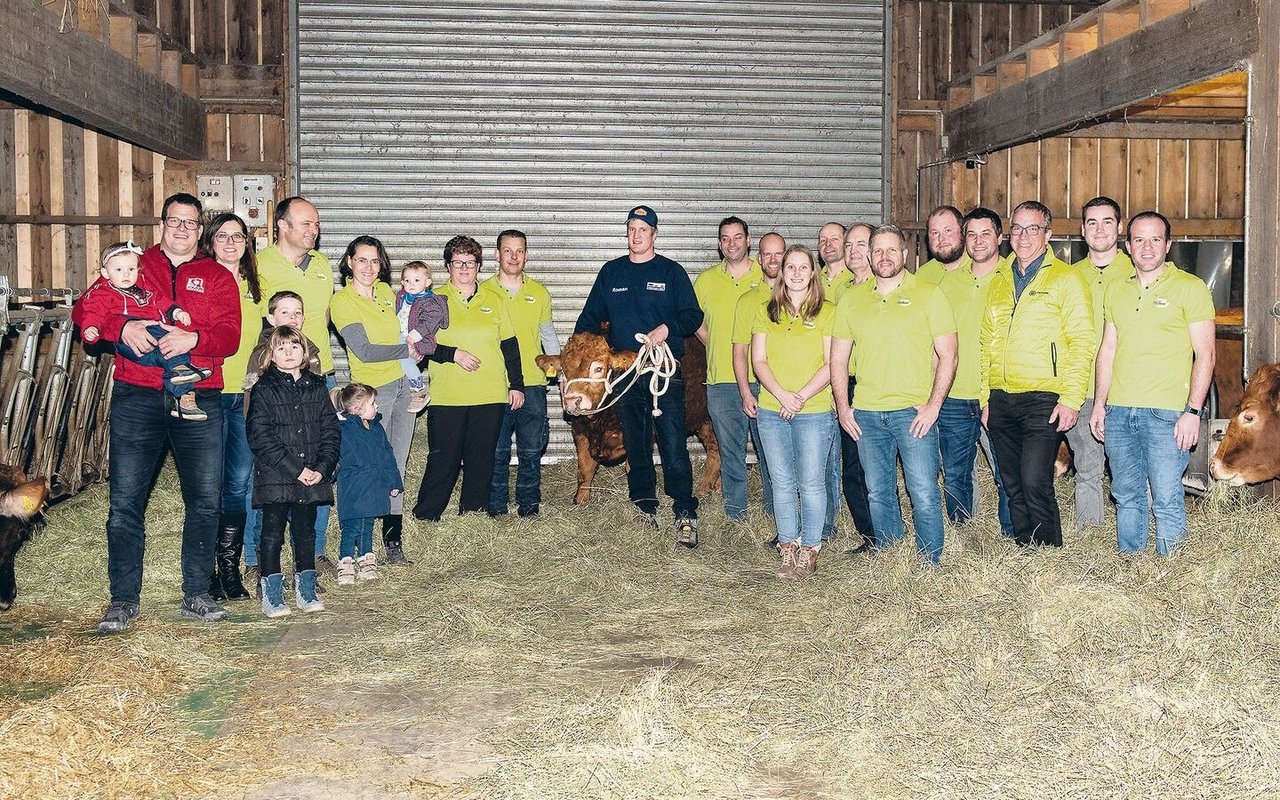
point(582, 365)
point(1250, 450)
point(21, 502)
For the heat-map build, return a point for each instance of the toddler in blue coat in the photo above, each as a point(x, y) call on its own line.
point(367, 480)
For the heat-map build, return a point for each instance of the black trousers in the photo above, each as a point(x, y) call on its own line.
point(459, 439)
point(854, 482)
point(1026, 445)
point(302, 530)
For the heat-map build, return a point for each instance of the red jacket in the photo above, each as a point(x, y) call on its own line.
point(103, 302)
point(204, 289)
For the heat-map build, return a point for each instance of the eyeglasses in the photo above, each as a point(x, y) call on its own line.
point(464, 264)
point(223, 238)
point(179, 222)
point(1029, 230)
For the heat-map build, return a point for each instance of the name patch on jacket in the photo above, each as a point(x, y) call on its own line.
point(195, 285)
point(655, 286)
point(617, 289)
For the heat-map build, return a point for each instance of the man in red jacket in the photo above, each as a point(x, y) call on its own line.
point(178, 274)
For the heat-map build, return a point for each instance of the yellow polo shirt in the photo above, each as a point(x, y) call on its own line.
point(237, 364)
point(794, 352)
point(381, 326)
point(834, 288)
point(529, 309)
point(1152, 367)
point(718, 293)
point(478, 326)
point(967, 294)
point(744, 316)
point(892, 339)
point(1119, 269)
point(932, 270)
point(315, 287)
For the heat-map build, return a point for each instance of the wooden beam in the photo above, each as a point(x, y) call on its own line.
point(1120, 129)
point(1207, 39)
point(1262, 198)
point(242, 89)
point(76, 76)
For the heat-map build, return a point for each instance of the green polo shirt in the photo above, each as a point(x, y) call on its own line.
point(1152, 366)
point(1119, 269)
point(834, 288)
point(478, 326)
point(892, 339)
point(718, 293)
point(932, 270)
point(237, 364)
point(967, 294)
point(315, 287)
point(744, 316)
point(381, 326)
point(794, 352)
point(529, 308)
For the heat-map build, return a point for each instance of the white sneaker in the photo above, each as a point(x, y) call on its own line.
point(346, 571)
point(368, 567)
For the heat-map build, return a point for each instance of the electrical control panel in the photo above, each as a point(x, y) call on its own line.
point(214, 192)
point(253, 196)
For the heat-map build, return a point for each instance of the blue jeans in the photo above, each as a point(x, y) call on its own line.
point(886, 435)
point(1141, 450)
point(253, 522)
point(531, 429)
point(635, 414)
point(834, 478)
point(732, 428)
point(357, 537)
point(411, 370)
point(959, 428)
point(800, 482)
point(237, 458)
point(762, 462)
point(153, 358)
point(140, 428)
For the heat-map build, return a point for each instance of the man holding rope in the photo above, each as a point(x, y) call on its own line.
point(643, 294)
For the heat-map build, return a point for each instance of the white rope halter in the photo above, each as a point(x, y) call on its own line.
point(655, 360)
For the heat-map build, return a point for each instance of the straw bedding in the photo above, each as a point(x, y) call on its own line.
point(580, 655)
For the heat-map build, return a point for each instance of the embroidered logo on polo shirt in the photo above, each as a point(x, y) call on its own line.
point(904, 301)
point(1160, 302)
point(810, 324)
point(655, 286)
point(486, 310)
point(528, 298)
point(195, 285)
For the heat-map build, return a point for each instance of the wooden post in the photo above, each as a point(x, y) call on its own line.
point(1262, 204)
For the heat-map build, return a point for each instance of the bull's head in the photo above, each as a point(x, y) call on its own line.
point(583, 366)
point(20, 498)
point(1250, 449)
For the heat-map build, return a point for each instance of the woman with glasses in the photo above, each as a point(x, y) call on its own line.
point(364, 312)
point(475, 376)
point(227, 241)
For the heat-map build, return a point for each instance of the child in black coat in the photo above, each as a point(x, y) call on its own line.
point(293, 432)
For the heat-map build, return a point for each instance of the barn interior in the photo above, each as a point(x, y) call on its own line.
point(581, 657)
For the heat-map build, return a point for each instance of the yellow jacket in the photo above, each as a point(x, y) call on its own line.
point(1046, 342)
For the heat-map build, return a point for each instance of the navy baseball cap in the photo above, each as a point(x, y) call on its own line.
point(644, 214)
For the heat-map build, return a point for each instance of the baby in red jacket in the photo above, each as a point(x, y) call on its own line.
point(117, 294)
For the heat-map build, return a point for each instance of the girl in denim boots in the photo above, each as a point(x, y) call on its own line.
point(367, 480)
point(293, 432)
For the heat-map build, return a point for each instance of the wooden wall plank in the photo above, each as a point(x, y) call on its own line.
point(211, 32)
point(1202, 179)
point(272, 32)
point(73, 197)
point(1054, 177)
point(1113, 171)
point(22, 195)
point(1262, 250)
point(1024, 169)
point(242, 31)
point(57, 275)
point(108, 187)
point(8, 195)
point(903, 174)
point(273, 145)
point(995, 31)
point(964, 187)
point(1231, 176)
point(1172, 201)
point(1084, 173)
point(1143, 175)
point(1024, 24)
point(995, 183)
point(216, 137)
point(244, 137)
point(906, 47)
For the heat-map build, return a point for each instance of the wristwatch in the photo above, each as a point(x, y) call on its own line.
point(1190, 409)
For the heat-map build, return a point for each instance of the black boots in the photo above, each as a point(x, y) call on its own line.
point(226, 583)
point(392, 526)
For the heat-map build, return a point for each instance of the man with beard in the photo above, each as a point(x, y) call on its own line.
point(945, 230)
point(772, 246)
point(831, 254)
point(718, 290)
point(902, 336)
point(1101, 225)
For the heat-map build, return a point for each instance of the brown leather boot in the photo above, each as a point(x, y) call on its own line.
point(789, 551)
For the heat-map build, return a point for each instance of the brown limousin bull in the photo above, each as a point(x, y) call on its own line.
point(21, 502)
point(1250, 450)
point(598, 437)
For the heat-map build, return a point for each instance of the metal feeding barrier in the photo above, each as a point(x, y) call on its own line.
point(54, 397)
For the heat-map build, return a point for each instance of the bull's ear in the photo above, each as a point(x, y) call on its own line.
point(25, 500)
point(549, 365)
point(622, 360)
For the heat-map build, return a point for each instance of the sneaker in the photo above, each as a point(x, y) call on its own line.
point(806, 562)
point(304, 592)
point(528, 511)
point(346, 572)
point(326, 567)
point(368, 568)
point(271, 589)
point(687, 532)
point(202, 607)
point(186, 408)
point(182, 374)
point(117, 617)
point(787, 569)
point(420, 398)
point(395, 554)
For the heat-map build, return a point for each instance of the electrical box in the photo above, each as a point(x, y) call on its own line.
point(253, 194)
point(214, 192)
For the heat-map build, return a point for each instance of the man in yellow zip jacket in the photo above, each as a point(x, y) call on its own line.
point(1037, 348)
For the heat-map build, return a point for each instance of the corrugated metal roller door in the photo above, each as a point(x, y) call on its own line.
point(419, 120)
